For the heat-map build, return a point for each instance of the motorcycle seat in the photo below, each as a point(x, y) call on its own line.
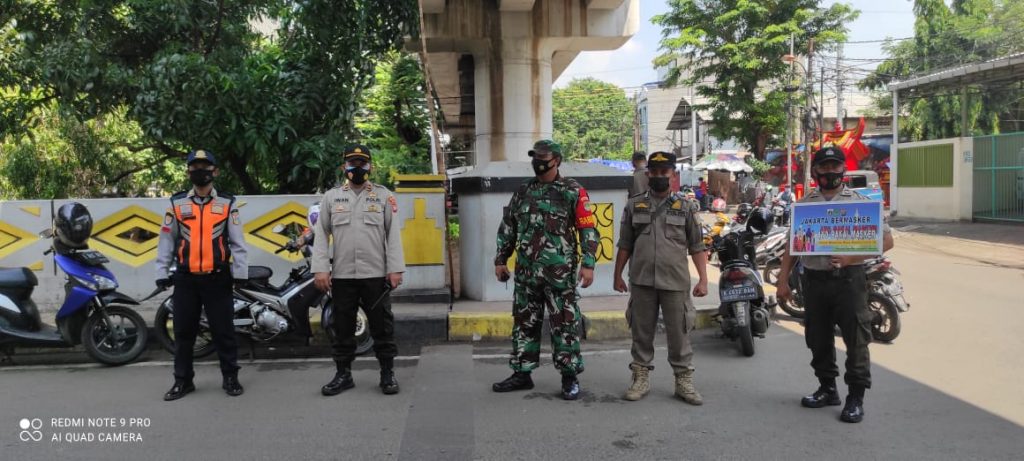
point(19, 277)
point(260, 273)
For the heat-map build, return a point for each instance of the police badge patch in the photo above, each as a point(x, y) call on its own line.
point(234, 217)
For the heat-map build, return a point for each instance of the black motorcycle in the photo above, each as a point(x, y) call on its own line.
point(744, 312)
point(265, 312)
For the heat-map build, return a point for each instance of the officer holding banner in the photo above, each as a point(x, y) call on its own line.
point(835, 293)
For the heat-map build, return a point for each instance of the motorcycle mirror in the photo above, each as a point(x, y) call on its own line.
point(46, 233)
point(278, 228)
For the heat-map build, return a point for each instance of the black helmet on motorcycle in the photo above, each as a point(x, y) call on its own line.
point(72, 225)
point(760, 220)
point(743, 210)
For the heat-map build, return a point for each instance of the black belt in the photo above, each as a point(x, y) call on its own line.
point(835, 273)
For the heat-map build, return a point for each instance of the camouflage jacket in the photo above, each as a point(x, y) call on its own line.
point(541, 223)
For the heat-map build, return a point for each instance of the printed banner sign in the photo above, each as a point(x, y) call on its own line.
point(836, 228)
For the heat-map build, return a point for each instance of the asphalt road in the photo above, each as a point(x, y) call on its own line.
point(947, 388)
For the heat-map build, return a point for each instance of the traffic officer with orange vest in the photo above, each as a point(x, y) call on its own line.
point(202, 238)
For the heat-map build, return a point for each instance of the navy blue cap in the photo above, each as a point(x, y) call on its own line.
point(200, 154)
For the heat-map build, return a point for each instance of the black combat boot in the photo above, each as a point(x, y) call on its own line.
point(342, 381)
point(570, 387)
point(826, 395)
point(853, 412)
point(179, 390)
point(231, 386)
point(388, 383)
point(519, 381)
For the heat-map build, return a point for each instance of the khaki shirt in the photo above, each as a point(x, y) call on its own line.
point(824, 263)
point(639, 184)
point(659, 251)
point(365, 240)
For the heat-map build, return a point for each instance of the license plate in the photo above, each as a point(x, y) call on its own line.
point(743, 293)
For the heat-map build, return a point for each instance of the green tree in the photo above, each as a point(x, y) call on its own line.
point(947, 36)
point(395, 122)
point(592, 119)
point(732, 51)
point(270, 86)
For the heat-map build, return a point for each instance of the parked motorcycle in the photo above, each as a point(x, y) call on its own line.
point(94, 314)
point(744, 312)
point(265, 312)
point(885, 297)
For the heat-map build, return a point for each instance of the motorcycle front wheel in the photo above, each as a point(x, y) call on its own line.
point(163, 327)
point(117, 342)
point(885, 326)
point(364, 342)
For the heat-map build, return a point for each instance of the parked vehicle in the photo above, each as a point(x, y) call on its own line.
point(265, 312)
point(94, 314)
point(744, 312)
point(885, 297)
point(864, 182)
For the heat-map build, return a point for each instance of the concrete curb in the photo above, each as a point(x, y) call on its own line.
point(604, 325)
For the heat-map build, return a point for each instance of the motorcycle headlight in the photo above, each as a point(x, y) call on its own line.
point(104, 283)
point(97, 282)
point(88, 283)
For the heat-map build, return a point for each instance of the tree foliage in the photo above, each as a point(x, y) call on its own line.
point(732, 54)
point(394, 121)
point(947, 36)
point(270, 86)
point(592, 119)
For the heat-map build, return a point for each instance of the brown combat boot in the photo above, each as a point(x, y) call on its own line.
point(685, 389)
point(641, 383)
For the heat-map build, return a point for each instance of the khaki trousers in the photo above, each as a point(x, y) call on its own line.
point(679, 316)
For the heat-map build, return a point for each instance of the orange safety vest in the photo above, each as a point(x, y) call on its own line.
point(202, 240)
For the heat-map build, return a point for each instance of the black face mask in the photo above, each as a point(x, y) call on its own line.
point(829, 181)
point(356, 174)
point(200, 177)
point(541, 166)
point(658, 184)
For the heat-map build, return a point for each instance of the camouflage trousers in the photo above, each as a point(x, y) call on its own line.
point(531, 302)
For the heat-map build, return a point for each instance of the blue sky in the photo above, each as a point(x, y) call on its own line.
point(630, 66)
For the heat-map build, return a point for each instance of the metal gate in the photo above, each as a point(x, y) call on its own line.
point(999, 177)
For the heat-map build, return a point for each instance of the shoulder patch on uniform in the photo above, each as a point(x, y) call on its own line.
point(394, 203)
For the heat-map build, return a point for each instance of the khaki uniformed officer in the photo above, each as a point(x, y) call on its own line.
point(657, 230)
point(639, 184)
point(835, 293)
point(358, 228)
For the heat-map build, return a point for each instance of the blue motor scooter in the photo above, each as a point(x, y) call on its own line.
point(94, 314)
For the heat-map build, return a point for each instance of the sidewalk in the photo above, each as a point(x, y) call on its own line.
point(996, 244)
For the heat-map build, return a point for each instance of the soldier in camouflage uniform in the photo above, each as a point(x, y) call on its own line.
point(541, 224)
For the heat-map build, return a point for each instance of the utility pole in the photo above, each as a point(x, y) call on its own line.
point(693, 127)
point(789, 121)
point(810, 101)
point(821, 110)
point(839, 88)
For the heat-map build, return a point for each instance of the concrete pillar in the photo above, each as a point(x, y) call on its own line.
point(518, 109)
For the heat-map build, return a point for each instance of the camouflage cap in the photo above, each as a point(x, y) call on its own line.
point(546, 145)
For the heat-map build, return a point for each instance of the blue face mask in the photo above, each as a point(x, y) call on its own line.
point(356, 174)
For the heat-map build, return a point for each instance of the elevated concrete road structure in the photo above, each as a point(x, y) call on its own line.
point(493, 62)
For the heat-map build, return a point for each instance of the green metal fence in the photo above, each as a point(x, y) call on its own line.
point(999, 177)
point(925, 166)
